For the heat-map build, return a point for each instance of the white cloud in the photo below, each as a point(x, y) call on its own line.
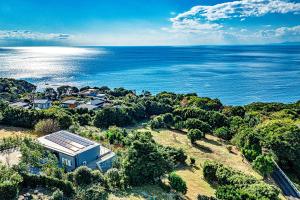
point(239, 9)
point(209, 21)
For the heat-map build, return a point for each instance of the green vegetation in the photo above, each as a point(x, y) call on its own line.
point(262, 132)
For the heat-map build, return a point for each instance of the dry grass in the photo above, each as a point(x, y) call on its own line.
point(8, 131)
point(208, 149)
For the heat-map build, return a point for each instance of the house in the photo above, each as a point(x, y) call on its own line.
point(20, 105)
point(97, 102)
point(89, 107)
point(42, 104)
point(73, 151)
point(89, 93)
point(71, 104)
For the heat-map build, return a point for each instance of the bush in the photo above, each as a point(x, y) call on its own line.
point(264, 164)
point(46, 126)
point(30, 180)
point(57, 195)
point(114, 178)
point(194, 135)
point(223, 133)
point(192, 123)
point(203, 197)
point(177, 183)
point(157, 123)
point(115, 135)
point(83, 176)
point(94, 192)
point(171, 153)
point(9, 183)
point(192, 160)
point(84, 119)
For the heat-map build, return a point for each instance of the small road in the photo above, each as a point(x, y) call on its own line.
point(287, 187)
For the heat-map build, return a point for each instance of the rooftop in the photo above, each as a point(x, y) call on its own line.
point(87, 106)
point(70, 101)
point(19, 104)
point(41, 101)
point(67, 143)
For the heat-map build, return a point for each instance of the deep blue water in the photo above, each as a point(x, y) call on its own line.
point(235, 74)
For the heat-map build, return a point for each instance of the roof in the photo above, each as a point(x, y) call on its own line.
point(67, 143)
point(87, 106)
point(70, 101)
point(19, 104)
point(41, 101)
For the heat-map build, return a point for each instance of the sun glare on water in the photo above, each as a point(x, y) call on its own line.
point(43, 62)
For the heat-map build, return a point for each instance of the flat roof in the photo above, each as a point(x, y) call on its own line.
point(87, 106)
point(41, 101)
point(19, 104)
point(67, 143)
point(70, 101)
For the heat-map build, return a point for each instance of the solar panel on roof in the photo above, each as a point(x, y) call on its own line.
point(68, 140)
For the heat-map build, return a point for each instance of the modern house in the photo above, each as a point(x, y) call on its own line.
point(73, 151)
point(97, 102)
point(42, 104)
point(89, 93)
point(20, 105)
point(71, 104)
point(89, 107)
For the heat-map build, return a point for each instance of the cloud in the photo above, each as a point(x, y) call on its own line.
point(11, 36)
point(239, 9)
point(283, 33)
point(209, 22)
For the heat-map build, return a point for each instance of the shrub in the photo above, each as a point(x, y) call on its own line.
point(94, 192)
point(9, 183)
point(177, 183)
point(194, 135)
point(223, 133)
point(46, 126)
point(84, 119)
point(57, 195)
point(48, 182)
point(192, 160)
point(171, 153)
point(114, 178)
point(210, 170)
point(83, 176)
point(203, 197)
point(98, 177)
point(192, 123)
point(264, 164)
point(157, 123)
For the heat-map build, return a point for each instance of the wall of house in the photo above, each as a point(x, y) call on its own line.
point(87, 156)
point(65, 160)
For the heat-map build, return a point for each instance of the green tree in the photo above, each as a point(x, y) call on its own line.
point(194, 135)
point(83, 176)
point(193, 123)
point(264, 164)
point(177, 183)
point(143, 162)
point(223, 133)
point(9, 183)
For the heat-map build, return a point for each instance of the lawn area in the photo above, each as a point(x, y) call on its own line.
point(208, 149)
point(7, 131)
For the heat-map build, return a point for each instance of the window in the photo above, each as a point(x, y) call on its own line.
point(66, 162)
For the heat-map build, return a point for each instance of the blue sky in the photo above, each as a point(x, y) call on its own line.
point(148, 22)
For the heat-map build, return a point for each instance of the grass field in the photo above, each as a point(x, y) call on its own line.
point(7, 131)
point(208, 149)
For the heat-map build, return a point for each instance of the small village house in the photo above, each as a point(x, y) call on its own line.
point(71, 104)
point(42, 104)
point(73, 151)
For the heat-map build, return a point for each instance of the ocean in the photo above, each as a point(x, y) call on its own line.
point(237, 75)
